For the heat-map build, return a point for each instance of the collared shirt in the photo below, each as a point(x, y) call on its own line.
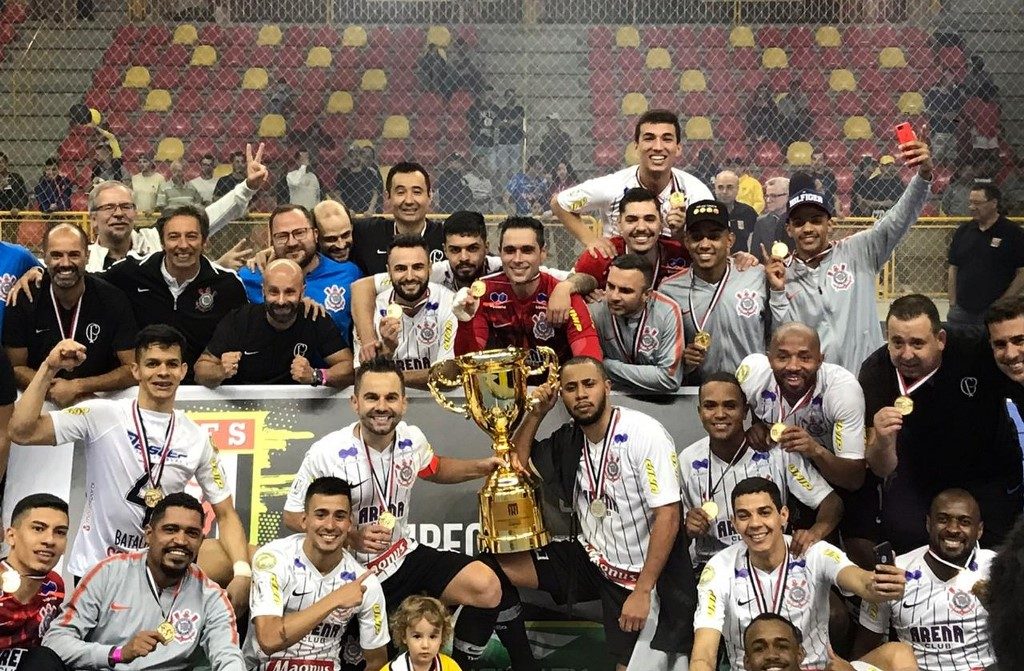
point(986, 261)
point(371, 238)
point(177, 288)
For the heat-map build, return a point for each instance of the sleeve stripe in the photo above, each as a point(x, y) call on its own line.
point(430, 468)
point(69, 611)
point(679, 336)
point(198, 574)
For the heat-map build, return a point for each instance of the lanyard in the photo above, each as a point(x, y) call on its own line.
point(906, 390)
point(675, 186)
point(715, 298)
point(384, 493)
point(631, 354)
point(155, 590)
point(822, 253)
point(780, 587)
point(140, 428)
point(783, 416)
point(739, 453)
point(74, 318)
point(597, 481)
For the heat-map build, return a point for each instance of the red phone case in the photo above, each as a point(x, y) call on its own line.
point(905, 133)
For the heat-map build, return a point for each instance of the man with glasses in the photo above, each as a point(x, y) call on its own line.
point(986, 261)
point(205, 183)
point(770, 227)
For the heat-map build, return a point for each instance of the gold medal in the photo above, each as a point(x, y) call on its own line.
point(904, 405)
point(394, 311)
point(477, 289)
point(152, 496)
point(10, 581)
point(598, 509)
point(778, 428)
point(387, 520)
point(711, 508)
point(677, 200)
point(166, 632)
point(780, 250)
point(702, 340)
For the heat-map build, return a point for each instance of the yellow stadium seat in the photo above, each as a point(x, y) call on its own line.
point(698, 128)
point(892, 57)
point(774, 58)
point(396, 127)
point(693, 80)
point(185, 34)
point(204, 56)
point(157, 100)
point(137, 77)
point(340, 102)
point(658, 58)
point(354, 36)
point(365, 143)
point(439, 35)
point(627, 36)
point(170, 149)
point(374, 80)
point(255, 79)
point(828, 37)
point(857, 128)
point(270, 36)
point(631, 156)
point(911, 102)
point(741, 37)
point(318, 57)
point(842, 80)
point(222, 169)
point(799, 153)
point(634, 103)
point(272, 125)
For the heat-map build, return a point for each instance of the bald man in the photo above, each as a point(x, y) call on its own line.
point(770, 227)
point(742, 217)
point(177, 191)
point(334, 226)
point(273, 342)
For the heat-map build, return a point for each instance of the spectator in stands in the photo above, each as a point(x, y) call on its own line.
point(233, 178)
point(276, 343)
point(205, 183)
point(334, 230)
point(466, 76)
point(882, 190)
point(984, 115)
point(478, 179)
point(176, 192)
point(561, 177)
point(527, 190)
point(433, 71)
point(556, 144)
point(359, 182)
point(829, 184)
point(705, 167)
point(771, 226)
point(13, 192)
point(762, 116)
point(53, 191)
point(795, 118)
point(943, 104)
point(72, 304)
point(957, 194)
point(146, 185)
point(749, 189)
point(986, 261)
point(979, 82)
point(483, 128)
point(509, 137)
point(303, 185)
point(452, 191)
point(865, 169)
point(742, 217)
point(107, 168)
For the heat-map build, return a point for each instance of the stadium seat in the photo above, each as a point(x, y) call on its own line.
point(318, 57)
point(633, 80)
point(210, 124)
point(848, 103)
point(371, 103)
point(606, 128)
point(745, 59)
point(428, 127)
point(607, 155)
point(204, 56)
point(311, 102)
point(842, 80)
point(353, 36)
point(149, 124)
point(170, 149)
point(272, 125)
point(892, 57)
point(269, 36)
point(249, 102)
point(774, 58)
point(439, 35)
point(299, 36)
point(911, 102)
point(730, 128)
point(396, 127)
point(15, 12)
point(698, 128)
point(185, 34)
point(697, 103)
point(157, 100)
point(374, 80)
point(741, 37)
point(857, 128)
point(828, 37)
point(658, 58)
point(133, 150)
point(166, 78)
point(835, 152)
point(629, 60)
point(770, 36)
point(799, 36)
point(255, 79)
point(692, 80)
point(460, 103)
point(874, 81)
point(630, 155)
point(663, 81)
point(799, 153)
point(235, 56)
point(73, 148)
point(137, 77)
point(178, 124)
point(768, 154)
point(30, 233)
point(189, 101)
point(340, 102)
point(156, 36)
point(391, 152)
point(627, 37)
point(634, 103)
point(126, 100)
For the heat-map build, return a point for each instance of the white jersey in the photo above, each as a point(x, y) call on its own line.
point(639, 474)
point(373, 475)
point(833, 415)
point(700, 472)
point(942, 620)
point(285, 581)
point(601, 195)
point(427, 336)
point(731, 593)
point(441, 273)
point(115, 476)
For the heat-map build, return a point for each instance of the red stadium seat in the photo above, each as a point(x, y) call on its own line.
point(311, 101)
point(664, 100)
point(826, 127)
point(312, 80)
point(799, 36)
point(262, 56)
point(836, 153)
point(831, 59)
point(607, 155)
point(460, 103)
point(736, 149)
point(155, 36)
point(657, 37)
point(370, 103)
point(73, 148)
point(325, 36)
point(746, 59)
point(857, 36)
point(629, 60)
point(98, 99)
point(601, 83)
point(730, 128)
point(7, 33)
point(125, 100)
point(250, 102)
point(175, 54)
point(136, 149)
point(750, 80)
point(235, 56)
point(427, 153)
point(874, 81)
point(167, 77)
point(150, 124)
point(302, 122)
point(600, 36)
point(344, 79)
point(713, 36)
point(108, 77)
point(291, 56)
point(606, 128)
point(179, 124)
point(860, 148)
point(81, 175)
point(428, 127)
point(241, 124)
point(429, 104)
point(601, 60)
point(700, 103)
point(663, 81)
point(844, 180)
point(604, 105)
point(198, 147)
point(457, 128)
point(210, 124)
point(117, 54)
point(189, 101)
point(299, 36)
point(148, 55)
point(366, 127)
point(768, 154)
point(335, 126)
point(120, 125)
point(392, 151)
point(780, 81)
point(202, 79)
point(634, 80)
point(770, 36)
point(849, 103)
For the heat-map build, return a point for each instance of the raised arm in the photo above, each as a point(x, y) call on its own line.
point(29, 424)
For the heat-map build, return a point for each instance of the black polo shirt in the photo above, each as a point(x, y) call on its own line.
point(267, 353)
point(742, 218)
point(371, 237)
point(8, 389)
point(206, 300)
point(985, 261)
point(106, 326)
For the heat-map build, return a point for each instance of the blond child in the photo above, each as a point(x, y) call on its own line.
point(421, 625)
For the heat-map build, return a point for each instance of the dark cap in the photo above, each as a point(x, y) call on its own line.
point(711, 211)
point(802, 191)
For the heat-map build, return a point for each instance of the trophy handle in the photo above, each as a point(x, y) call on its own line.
point(549, 363)
point(437, 383)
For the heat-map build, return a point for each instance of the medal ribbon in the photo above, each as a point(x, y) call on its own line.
point(631, 354)
point(6, 565)
point(155, 590)
point(739, 453)
point(140, 428)
point(389, 479)
point(597, 483)
point(74, 318)
point(808, 262)
point(907, 391)
point(969, 566)
point(783, 416)
point(780, 587)
point(675, 186)
point(715, 298)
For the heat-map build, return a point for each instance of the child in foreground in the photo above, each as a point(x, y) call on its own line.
point(421, 625)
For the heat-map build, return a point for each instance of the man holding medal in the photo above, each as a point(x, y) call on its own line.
point(137, 452)
point(156, 605)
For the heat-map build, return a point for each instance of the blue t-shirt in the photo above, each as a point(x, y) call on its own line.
point(328, 285)
point(14, 261)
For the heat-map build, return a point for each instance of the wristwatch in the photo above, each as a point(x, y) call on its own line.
point(318, 377)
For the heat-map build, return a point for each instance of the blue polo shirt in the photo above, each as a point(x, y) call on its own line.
point(14, 261)
point(329, 284)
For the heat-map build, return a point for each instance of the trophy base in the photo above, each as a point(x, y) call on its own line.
point(510, 515)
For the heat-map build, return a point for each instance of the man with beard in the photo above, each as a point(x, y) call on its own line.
point(155, 604)
point(640, 227)
point(641, 331)
point(275, 342)
point(465, 249)
point(75, 305)
point(1005, 324)
point(386, 456)
point(308, 587)
point(941, 616)
point(773, 643)
point(294, 236)
point(334, 229)
point(616, 468)
point(411, 319)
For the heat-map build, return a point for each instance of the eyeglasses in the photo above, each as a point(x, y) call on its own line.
point(110, 208)
point(300, 235)
point(775, 195)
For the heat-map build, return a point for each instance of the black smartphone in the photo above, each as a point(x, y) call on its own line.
point(884, 554)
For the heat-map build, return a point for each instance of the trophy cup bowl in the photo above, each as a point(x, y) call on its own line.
point(494, 382)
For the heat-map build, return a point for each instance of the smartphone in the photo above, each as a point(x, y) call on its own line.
point(905, 133)
point(884, 554)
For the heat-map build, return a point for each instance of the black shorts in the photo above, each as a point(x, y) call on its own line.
point(557, 563)
point(862, 510)
point(424, 571)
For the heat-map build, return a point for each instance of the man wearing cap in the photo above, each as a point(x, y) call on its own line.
point(883, 189)
point(727, 313)
point(832, 284)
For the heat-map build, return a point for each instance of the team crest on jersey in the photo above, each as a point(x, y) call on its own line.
point(300, 349)
point(613, 470)
point(815, 423)
point(746, 303)
point(205, 301)
point(960, 602)
point(7, 281)
point(185, 624)
point(334, 298)
point(406, 474)
point(798, 594)
point(648, 340)
point(92, 332)
point(541, 329)
point(840, 277)
point(969, 386)
point(351, 652)
point(46, 615)
point(426, 332)
point(405, 444)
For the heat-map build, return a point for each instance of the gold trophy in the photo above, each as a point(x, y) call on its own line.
point(495, 384)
